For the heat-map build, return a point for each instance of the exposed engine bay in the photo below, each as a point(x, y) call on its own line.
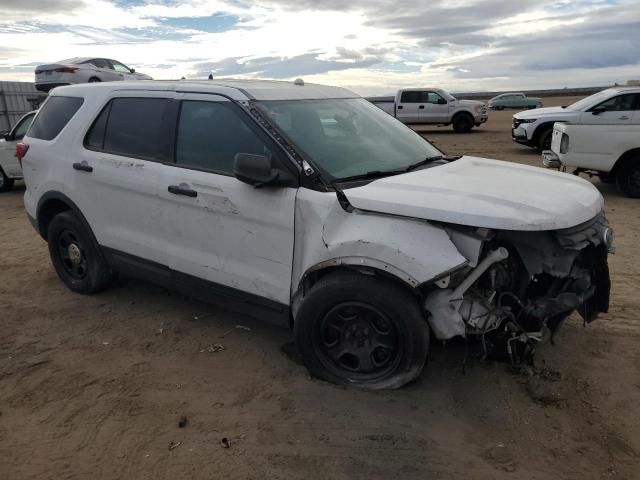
point(519, 286)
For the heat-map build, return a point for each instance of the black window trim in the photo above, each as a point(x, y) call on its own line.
point(22, 120)
point(278, 155)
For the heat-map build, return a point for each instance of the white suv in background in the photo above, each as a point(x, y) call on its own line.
point(614, 106)
point(308, 206)
point(10, 169)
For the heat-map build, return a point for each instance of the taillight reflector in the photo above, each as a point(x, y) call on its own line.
point(21, 151)
point(66, 70)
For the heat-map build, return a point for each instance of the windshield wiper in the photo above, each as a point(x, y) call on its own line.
point(370, 175)
point(413, 166)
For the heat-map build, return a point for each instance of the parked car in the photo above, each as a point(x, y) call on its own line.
point(433, 106)
point(514, 100)
point(614, 106)
point(610, 151)
point(83, 70)
point(308, 206)
point(10, 169)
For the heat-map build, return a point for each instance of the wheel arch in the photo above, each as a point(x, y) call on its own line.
point(460, 113)
point(628, 156)
point(543, 127)
point(51, 204)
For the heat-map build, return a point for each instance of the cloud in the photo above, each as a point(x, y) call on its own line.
point(372, 46)
point(277, 67)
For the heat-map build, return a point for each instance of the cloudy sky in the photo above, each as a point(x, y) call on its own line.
point(372, 46)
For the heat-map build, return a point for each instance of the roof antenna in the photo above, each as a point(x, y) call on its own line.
point(299, 82)
point(210, 76)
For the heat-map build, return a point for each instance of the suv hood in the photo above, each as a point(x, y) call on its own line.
point(484, 193)
point(546, 112)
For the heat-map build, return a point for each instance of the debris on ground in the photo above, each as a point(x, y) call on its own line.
point(182, 422)
point(173, 445)
point(226, 443)
point(500, 457)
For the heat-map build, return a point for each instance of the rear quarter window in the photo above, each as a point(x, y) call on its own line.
point(54, 116)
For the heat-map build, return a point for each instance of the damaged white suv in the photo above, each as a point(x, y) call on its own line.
point(309, 206)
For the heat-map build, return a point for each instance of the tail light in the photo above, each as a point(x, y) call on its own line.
point(66, 70)
point(564, 143)
point(21, 151)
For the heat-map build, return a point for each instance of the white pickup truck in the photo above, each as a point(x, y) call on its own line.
point(610, 151)
point(433, 106)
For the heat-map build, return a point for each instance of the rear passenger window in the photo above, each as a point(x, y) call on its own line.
point(133, 127)
point(211, 134)
point(411, 97)
point(54, 116)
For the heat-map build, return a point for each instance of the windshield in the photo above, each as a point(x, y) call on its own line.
point(346, 138)
point(590, 101)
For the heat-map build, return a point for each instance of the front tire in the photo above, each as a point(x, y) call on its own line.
point(463, 123)
point(94, 80)
point(75, 255)
point(6, 183)
point(361, 330)
point(544, 139)
point(628, 177)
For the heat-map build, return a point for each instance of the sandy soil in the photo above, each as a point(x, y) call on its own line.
point(94, 387)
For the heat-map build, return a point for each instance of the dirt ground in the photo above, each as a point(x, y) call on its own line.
point(95, 386)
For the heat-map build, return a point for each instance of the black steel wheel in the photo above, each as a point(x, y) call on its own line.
point(359, 338)
point(361, 330)
point(75, 255)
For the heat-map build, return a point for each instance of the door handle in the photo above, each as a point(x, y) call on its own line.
point(182, 190)
point(421, 107)
point(83, 167)
point(400, 107)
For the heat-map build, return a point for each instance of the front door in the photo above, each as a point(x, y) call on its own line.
point(436, 108)
point(220, 229)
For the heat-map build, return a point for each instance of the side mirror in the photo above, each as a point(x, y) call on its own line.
point(255, 170)
point(442, 101)
point(133, 70)
point(8, 137)
point(598, 110)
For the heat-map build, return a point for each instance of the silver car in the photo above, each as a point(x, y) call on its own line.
point(83, 70)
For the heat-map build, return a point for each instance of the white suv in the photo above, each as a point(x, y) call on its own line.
point(309, 206)
point(614, 106)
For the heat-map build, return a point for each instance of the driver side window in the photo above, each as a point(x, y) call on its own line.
point(433, 97)
point(621, 103)
point(118, 67)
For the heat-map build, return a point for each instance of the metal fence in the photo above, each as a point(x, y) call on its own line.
point(16, 99)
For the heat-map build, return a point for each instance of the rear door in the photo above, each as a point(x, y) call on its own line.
point(410, 108)
point(119, 180)
point(220, 229)
point(619, 110)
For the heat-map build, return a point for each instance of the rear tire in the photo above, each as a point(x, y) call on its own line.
point(361, 330)
point(607, 177)
point(463, 123)
point(75, 255)
point(628, 177)
point(544, 139)
point(6, 183)
point(94, 80)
